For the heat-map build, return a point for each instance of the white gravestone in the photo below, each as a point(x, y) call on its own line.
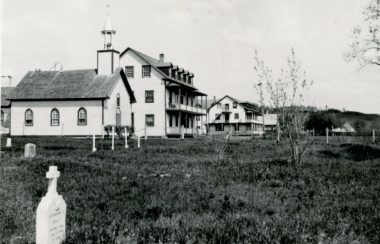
point(30, 150)
point(182, 133)
point(51, 213)
point(113, 138)
point(9, 142)
point(126, 134)
point(138, 141)
point(93, 143)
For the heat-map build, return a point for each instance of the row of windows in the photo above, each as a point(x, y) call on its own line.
point(147, 69)
point(236, 116)
point(54, 117)
point(227, 106)
point(130, 71)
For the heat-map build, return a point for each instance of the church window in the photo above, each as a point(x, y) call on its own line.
point(149, 120)
point(54, 117)
point(118, 100)
point(82, 116)
point(149, 96)
point(2, 118)
point(29, 117)
point(146, 69)
point(129, 71)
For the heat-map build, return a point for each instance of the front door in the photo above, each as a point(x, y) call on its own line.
point(118, 117)
point(227, 118)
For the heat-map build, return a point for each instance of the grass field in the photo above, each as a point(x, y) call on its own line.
point(194, 191)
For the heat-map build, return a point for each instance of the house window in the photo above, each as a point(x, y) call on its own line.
point(198, 118)
point(236, 116)
point(149, 120)
point(29, 117)
point(149, 96)
point(249, 116)
point(54, 117)
point(82, 116)
point(217, 116)
point(118, 100)
point(234, 105)
point(129, 71)
point(146, 71)
point(226, 106)
point(2, 118)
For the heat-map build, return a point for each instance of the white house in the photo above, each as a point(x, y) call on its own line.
point(167, 100)
point(229, 114)
point(73, 102)
point(5, 112)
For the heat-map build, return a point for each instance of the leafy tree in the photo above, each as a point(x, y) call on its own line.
point(286, 95)
point(365, 37)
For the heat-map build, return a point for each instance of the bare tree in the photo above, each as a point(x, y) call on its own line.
point(365, 37)
point(286, 95)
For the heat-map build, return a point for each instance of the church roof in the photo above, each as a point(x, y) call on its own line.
point(66, 85)
point(5, 91)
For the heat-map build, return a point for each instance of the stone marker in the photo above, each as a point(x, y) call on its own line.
point(138, 141)
point(113, 138)
point(93, 143)
point(182, 133)
point(126, 134)
point(51, 213)
point(9, 142)
point(30, 150)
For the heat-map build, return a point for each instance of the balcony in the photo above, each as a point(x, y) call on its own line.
point(185, 108)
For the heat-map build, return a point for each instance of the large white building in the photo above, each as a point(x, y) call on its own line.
point(151, 96)
point(230, 115)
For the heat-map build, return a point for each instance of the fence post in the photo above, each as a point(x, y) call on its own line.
point(373, 136)
point(145, 135)
point(126, 137)
point(327, 135)
point(93, 143)
point(138, 141)
point(113, 138)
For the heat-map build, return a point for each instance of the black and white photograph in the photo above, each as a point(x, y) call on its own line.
point(190, 121)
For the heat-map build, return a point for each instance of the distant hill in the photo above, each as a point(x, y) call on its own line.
point(362, 122)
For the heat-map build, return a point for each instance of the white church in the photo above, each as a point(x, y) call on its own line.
point(129, 89)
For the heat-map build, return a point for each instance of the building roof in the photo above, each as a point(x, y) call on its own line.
point(246, 105)
point(5, 91)
point(108, 26)
point(270, 119)
point(71, 84)
point(156, 64)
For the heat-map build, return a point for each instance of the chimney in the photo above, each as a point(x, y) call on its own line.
point(162, 58)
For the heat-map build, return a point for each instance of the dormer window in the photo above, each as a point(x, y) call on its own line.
point(173, 74)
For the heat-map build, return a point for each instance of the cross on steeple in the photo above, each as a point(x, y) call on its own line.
point(52, 175)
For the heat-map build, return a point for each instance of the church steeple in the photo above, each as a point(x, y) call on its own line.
point(107, 59)
point(107, 33)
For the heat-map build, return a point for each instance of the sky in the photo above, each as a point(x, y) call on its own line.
point(214, 39)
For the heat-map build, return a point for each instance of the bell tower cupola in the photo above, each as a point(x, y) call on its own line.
point(108, 59)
